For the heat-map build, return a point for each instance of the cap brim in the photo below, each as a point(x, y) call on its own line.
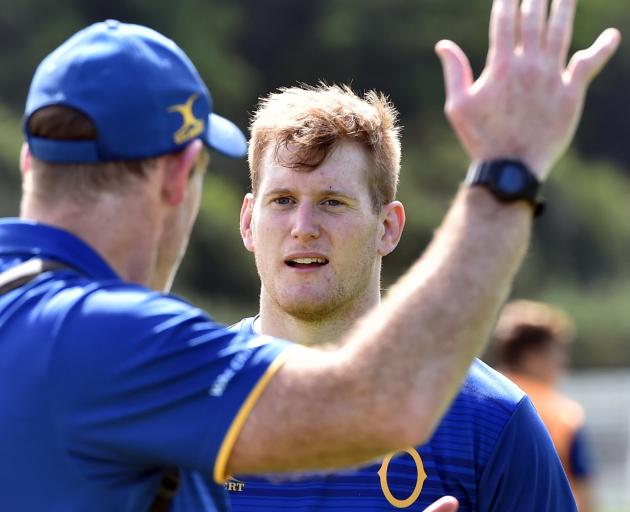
point(225, 137)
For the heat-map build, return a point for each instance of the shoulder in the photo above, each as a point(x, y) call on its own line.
point(485, 388)
point(116, 337)
point(525, 448)
point(497, 400)
point(116, 310)
point(486, 406)
point(519, 430)
point(494, 425)
point(105, 323)
point(65, 290)
point(72, 309)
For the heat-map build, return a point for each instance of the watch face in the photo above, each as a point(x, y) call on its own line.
point(508, 180)
point(511, 179)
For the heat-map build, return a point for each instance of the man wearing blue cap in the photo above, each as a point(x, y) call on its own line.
point(109, 381)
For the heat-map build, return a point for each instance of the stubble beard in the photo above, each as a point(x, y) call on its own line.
point(337, 300)
point(309, 309)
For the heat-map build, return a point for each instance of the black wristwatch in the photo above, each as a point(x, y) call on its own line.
point(508, 181)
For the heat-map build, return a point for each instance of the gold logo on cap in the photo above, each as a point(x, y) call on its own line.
point(191, 126)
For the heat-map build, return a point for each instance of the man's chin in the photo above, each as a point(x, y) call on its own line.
point(310, 311)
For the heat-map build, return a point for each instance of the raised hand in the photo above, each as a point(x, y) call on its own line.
point(527, 102)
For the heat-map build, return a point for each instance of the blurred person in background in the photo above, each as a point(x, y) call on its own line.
point(531, 347)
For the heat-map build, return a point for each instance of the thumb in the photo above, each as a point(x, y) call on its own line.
point(456, 67)
point(586, 64)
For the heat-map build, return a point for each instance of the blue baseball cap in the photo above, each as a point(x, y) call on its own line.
point(140, 90)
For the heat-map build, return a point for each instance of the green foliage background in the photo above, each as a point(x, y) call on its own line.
point(580, 256)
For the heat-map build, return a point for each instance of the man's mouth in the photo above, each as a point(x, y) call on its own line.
point(306, 262)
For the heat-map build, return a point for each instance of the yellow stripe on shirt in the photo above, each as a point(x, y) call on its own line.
point(220, 464)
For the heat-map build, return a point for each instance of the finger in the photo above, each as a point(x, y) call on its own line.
point(560, 30)
point(445, 504)
point(502, 30)
point(533, 19)
point(586, 64)
point(458, 75)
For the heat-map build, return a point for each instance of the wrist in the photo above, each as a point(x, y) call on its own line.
point(508, 180)
point(538, 165)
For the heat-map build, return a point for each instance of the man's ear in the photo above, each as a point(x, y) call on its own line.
point(25, 159)
point(177, 169)
point(393, 221)
point(246, 222)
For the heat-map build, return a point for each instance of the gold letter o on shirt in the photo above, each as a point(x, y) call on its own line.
point(421, 477)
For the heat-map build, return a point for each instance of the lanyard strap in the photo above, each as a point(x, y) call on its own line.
point(25, 272)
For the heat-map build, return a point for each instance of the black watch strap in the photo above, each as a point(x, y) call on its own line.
point(508, 181)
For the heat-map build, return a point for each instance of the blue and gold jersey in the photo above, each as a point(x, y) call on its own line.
point(491, 451)
point(106, 384)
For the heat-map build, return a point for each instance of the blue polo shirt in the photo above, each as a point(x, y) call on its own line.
point(491, 451)
point(105, 383)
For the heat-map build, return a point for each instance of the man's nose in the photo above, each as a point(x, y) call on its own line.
point(305, 222)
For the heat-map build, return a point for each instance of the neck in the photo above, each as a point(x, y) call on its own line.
point(124, 231)
point(274, 321)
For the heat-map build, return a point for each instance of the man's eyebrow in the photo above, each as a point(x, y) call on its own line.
point(283, 191)
point(278, 191)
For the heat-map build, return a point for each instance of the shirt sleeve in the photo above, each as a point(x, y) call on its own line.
point(524, 472)
point(145, 380)
point(581, 456)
